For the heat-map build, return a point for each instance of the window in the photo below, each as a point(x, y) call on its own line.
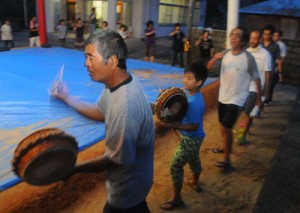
point(101, 10)
point(176, 11)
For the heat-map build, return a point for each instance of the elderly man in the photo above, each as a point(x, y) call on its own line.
point(129, 128)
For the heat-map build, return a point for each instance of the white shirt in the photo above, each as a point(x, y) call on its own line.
point(263, 61)
point(282, 48)
point(236, 73)
point(6, 32)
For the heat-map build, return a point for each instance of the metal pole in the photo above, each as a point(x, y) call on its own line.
point(25, 13)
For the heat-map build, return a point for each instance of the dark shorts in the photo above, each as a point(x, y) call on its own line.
point(141, 207)
point(149, 51)
point(228, 114)
point(250, 102)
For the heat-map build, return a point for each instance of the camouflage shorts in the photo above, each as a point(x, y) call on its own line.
point(186, 152)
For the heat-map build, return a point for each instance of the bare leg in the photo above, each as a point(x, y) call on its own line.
point(176, 192)
point(194, 182)
point(249, 122)
point(146, 58)
point(152, 58)
point(175, 201)
point(227, 141)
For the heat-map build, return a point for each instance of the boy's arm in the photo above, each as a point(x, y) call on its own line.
point(185, 127)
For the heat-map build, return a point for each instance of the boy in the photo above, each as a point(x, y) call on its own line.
point(178, 44)
point(6, 35)
point(62, 31)
point(191, 136)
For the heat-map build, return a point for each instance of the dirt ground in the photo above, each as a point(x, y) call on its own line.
point(234, 190)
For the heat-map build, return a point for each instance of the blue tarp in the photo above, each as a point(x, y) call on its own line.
point(26, 106)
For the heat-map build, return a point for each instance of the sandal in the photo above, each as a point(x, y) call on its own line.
point(217, 150)
point(197, 188)
point(223, 164)
point(170, 205)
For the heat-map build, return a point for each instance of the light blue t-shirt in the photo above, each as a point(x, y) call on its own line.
point(129, 134)
point(194, 115)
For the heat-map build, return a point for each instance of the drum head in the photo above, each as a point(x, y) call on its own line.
point(45, 156)
point(171, 105)
point(50, 166)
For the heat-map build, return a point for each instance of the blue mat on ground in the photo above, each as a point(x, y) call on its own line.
point(26, 106)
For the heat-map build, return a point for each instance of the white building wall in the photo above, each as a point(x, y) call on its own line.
point(139, 16)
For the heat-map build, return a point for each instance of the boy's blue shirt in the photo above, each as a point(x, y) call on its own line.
point(195, 114)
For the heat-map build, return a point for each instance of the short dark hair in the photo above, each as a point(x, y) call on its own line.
point(105, 22)
point(199, 71)
point(109, 43)
point(123, 25)
point(150, 22)
point(279, 32)
point(61, 20)
point(176, 25)
point(270, 28)
point(204, 31)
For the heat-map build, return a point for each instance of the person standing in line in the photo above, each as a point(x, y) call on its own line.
point(178, 44)
point(274, 50)
point(104, 26)
point(191, 135)
point(79, 30)
point(263, 61)
point(6, 35)
point(123, 31)
point(62, 32)
point(238, 69)
point(129, 127)
point(93, 20)
point(34, 38)
point(277, 37)
point(205, 46)
point(150, 41)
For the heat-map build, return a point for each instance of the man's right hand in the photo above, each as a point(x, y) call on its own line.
point(60, 91)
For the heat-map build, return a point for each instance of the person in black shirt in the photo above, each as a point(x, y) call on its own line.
point(206, 47)
point(178, 41)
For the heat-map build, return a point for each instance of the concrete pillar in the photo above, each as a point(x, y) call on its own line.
point(79, 9)
point(232, 17)
point(111, 14)
point(49, 14)
point(139, 17)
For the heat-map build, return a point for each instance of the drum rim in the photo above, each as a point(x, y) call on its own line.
point(159, 103)
point(22, 151)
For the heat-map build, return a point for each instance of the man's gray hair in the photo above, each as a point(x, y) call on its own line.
point(109, 43)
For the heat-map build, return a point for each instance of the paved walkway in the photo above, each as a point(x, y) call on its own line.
point(280, 192)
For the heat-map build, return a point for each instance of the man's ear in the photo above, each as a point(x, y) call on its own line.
point(114, 61)
point(199, 83)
